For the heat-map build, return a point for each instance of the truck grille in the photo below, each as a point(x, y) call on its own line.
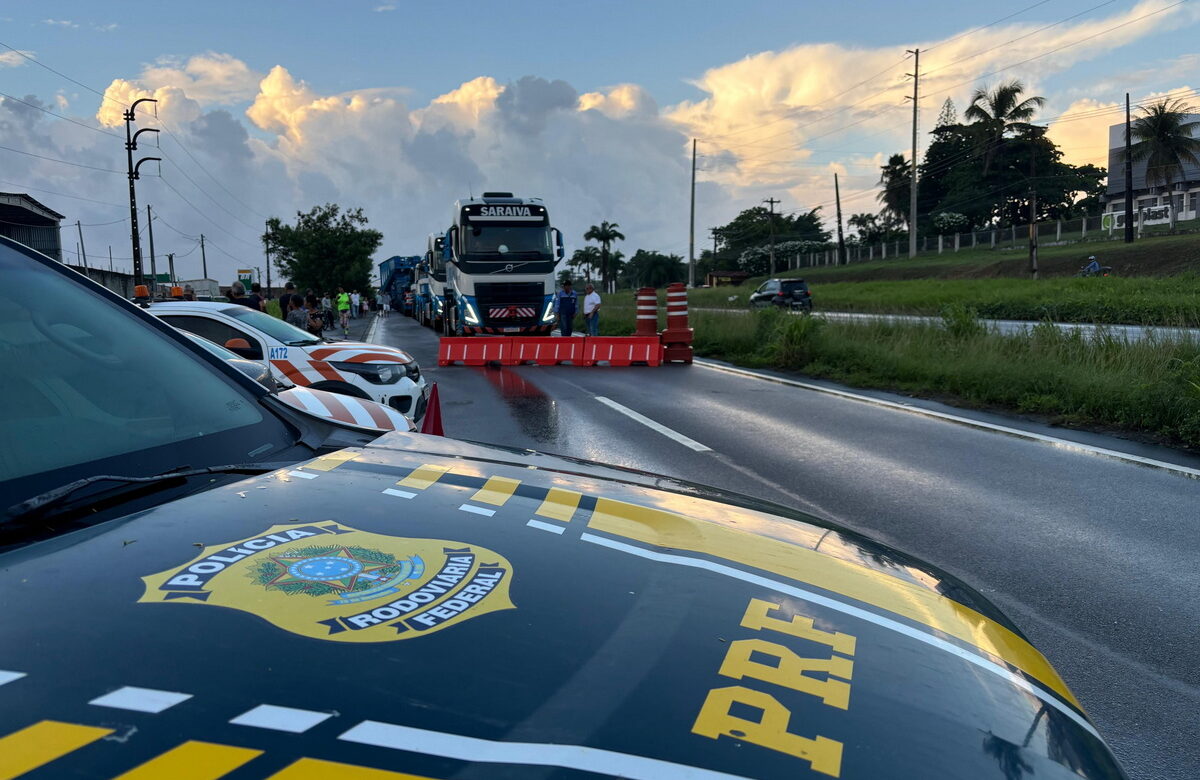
point(509, 303)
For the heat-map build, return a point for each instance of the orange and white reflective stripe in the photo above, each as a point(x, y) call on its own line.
point(345, 408)
point(293, 374)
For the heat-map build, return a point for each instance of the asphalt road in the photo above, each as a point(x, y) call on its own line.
point(1005, 327)
point(1095, 559)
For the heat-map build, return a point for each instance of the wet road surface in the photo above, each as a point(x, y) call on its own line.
point(1095, 559)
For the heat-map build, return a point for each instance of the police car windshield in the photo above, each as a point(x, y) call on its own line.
point(90, 387)
point(275, 328)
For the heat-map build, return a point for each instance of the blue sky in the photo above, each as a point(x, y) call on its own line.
point(399, 111)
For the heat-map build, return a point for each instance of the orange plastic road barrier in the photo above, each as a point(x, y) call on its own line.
point(474, 351)
point(622, 350)
point(647, 312)
point(546, 351)
point(677, 338)
point(431, 423)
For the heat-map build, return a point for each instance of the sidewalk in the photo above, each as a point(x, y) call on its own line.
point(358, 328)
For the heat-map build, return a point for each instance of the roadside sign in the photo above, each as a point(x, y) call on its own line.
point(246, 276)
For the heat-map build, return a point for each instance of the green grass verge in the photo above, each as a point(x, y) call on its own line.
point(1146, 387)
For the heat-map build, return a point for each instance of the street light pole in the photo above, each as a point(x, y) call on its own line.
point(1128, 176)
point(692, 225)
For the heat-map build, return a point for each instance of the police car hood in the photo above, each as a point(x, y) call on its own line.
point(358, 352)
point(432, 608)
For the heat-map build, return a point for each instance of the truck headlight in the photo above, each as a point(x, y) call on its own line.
point(437, 305)
point(548, 314)
point(470, 316)
point(375, 373)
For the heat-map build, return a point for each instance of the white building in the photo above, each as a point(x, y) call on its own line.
point(1151, 205)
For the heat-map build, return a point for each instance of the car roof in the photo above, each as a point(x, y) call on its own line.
point(206, 306)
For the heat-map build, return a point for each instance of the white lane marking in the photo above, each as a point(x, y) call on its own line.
point(646, 421)
point(1062, 444)
point(586, 759)
point(303, 475)
point(399, 493)
point(372, 331)
point(478, 510)
point(140, 699)
point(871, 617)
point(554, 529)
point(269, 716)
point(7, 676)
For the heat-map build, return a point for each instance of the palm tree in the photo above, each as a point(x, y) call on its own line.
point(586, 258)
point(999, 112)
point(1165, 140)
point(896, 180)
point(604, 234)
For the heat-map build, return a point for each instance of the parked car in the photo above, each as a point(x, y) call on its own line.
point(792, 294)
point(200, 579)
point(257, 370)
point(386, 375)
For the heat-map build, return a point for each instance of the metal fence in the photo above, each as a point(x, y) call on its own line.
point(1055, 233)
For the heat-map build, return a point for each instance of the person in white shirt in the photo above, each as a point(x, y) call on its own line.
point(591, 311)
point(354, 304)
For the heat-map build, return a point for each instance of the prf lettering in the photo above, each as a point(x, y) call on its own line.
point(756, 661)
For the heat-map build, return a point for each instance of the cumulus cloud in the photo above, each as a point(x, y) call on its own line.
point(60, 23)
point(277, 144)
point(763, 113)
point(14, 59)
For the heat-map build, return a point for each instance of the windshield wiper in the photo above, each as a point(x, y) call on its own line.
point(305, 343)
point(42, 500)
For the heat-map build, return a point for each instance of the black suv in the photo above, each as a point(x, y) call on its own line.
point(790, 293)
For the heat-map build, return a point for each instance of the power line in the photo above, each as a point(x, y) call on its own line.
point(126, 105)
point(57, 116)
point(1019, 37)
point(218, 225)
point(64, 162)
point(984, 27)
point(218, 203)
point(63, 194)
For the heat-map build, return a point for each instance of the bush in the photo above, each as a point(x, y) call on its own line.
point(273, 308)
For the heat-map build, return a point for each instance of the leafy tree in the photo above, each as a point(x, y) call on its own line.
point(653, 269)
point(327, 248)
point(1164, 139)
point(896, 180)
point(877, 228)
point(752, 228)
point(999, 112)
point(605, 234)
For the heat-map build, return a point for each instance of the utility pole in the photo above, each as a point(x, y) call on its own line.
point(692, 225)
point(171, 267)
point(771, 202)
point(130, 146)
point(267, 254)
point(153, 261)
point(82, 248)
point(203, 258)
point(1128, 175)
point(1033, 237)
point(110, 265)
point(837, 195)
point(912, 197)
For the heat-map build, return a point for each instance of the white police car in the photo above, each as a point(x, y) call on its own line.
point(387, 375)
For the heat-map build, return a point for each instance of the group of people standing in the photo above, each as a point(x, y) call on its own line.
point(566, 303)
point(308, 312)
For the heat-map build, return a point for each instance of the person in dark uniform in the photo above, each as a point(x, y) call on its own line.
point(565, 301)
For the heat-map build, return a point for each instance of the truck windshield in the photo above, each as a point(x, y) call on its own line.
point(504, 243)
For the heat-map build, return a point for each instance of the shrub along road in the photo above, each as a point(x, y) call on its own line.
point(1093, 558)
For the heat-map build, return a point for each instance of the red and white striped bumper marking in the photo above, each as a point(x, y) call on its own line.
point(344, 408)
point(506, 312)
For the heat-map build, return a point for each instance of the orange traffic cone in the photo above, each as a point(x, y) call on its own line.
point(431, 423)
